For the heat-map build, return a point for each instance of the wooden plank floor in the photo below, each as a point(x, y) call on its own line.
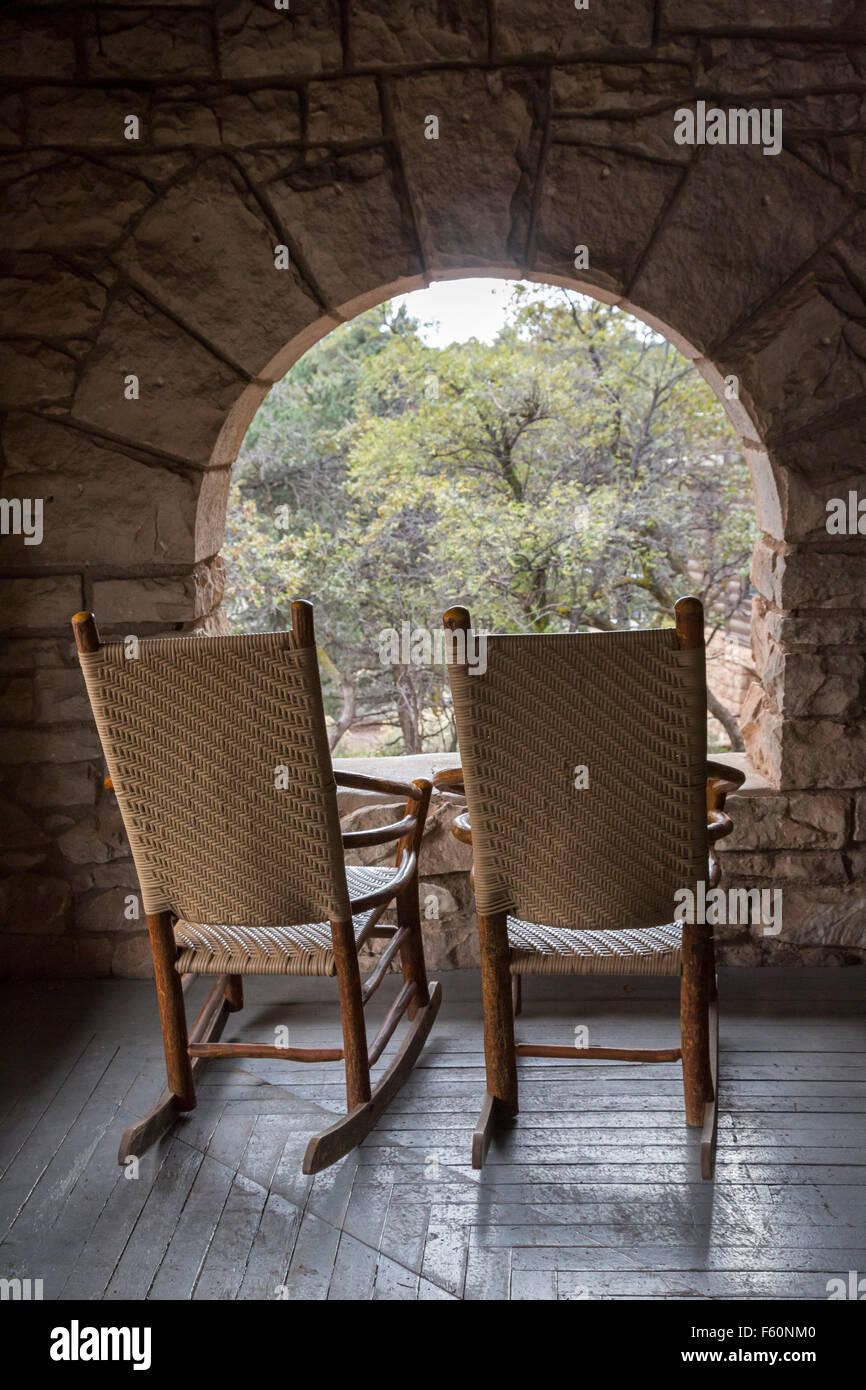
point(593, 1193)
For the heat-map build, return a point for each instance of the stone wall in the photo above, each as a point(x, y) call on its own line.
point(144, 319)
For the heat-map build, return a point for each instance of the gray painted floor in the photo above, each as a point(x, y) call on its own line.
point(594, 1193)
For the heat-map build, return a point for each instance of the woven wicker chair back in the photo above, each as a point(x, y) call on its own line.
point(630, 709)
point(218, 751)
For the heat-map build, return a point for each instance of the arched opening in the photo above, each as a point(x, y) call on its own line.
point(566, 468)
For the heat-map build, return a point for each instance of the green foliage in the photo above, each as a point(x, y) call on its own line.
point(575, 473)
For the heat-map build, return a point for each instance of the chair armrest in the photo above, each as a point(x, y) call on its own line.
point(376, 784)
point(450, 780)
point(720, 781)
point(379, 834)
point(405, 870)
point(718, 826)
point(461, 829)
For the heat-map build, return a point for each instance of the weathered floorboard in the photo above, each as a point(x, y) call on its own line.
point(593, 1193)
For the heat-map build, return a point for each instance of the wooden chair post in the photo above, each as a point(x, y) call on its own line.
point(697, 949)
point(499, 1053)
point(169, 990)
point(408, 906)
point(234, 993)
point(343, 938)
point(159, 925)
point(500, 1058)
point(351, 1014)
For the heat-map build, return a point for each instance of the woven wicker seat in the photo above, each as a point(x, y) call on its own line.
point(217, 752)
point(539, 950)
point(295, 950)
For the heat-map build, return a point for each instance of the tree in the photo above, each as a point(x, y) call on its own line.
point(576, 473)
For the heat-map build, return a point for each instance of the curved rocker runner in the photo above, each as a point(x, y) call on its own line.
point(217, 752)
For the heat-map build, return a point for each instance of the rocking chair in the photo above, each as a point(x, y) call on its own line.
point(217, 752)
point(590, 803)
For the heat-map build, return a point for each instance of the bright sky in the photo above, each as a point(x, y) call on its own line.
point(452, 311)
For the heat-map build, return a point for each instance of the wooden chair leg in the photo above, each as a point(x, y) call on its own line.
point(234, 993)
point(516, 995)
point(138, 1137)
point(352, 1014)
point(709, 1134)
point(694, 1021)
point(408, 907)
point(499, 1056)
point(412, 947)
point(171, 1010)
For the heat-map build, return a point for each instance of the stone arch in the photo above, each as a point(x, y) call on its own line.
point(306, 128)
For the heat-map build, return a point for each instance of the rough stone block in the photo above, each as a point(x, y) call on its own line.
point(157, 515)
point(472, 187)
point(824, 916)
point(16, 700)
point(106, 912)
point(552, 29)
point(175, 599)
point(236, 299)
point(49, 785)
point(797, 821)
point(191, 115)
point(12, 119)
point(761, 725)
point(37, 43)
point(437, 902)
point(804, 356)
point(95, 838)
point(26, 654)
point(822, 684)
point(809, 578)
point(762, 67)
point(35, 375)
point(47, 602)
point(579, 184)
point(131, 957)
point(612, 89)
point(148, 41)
point(339, 112)
point(36, 904)
point(804, 630)
point(734, 197)
point(20, 831)
point(831, 17)
point(61, 697)
point(185, 392)
point(39, 294)
point(823, 753)
point(257, 40)
point(86, 117)
point(74, 204)
point(394, 32)
point(41, 746)
point(355, 192)
point(785, 866)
